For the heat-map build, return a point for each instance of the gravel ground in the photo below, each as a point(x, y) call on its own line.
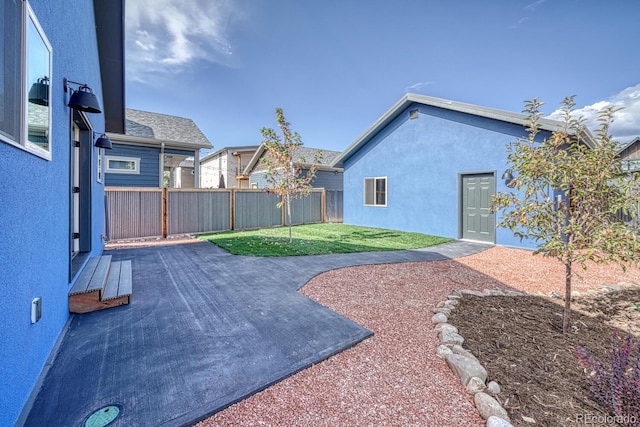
point(395, 377)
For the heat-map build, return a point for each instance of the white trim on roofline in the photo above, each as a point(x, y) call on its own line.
point(476, 110)
point(118, 138)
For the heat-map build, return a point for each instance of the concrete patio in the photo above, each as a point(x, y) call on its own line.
point(204, 329)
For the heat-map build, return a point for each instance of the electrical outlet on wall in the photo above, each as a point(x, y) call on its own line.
point(36, 309)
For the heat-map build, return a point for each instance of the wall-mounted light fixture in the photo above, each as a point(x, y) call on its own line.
point(508, 175)
point(103, 142)
point(509, 179)
point(39, 92)
point(82, 98)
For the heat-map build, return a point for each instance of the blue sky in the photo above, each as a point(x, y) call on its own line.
point(335, 66)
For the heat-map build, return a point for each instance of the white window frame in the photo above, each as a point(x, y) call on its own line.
point(134, 171)
point(386, 191)
point(22, 142)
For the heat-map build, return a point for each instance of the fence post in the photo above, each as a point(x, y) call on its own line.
point(232, 209)
point(283, 210)
point(165, 212)
point(323, 206)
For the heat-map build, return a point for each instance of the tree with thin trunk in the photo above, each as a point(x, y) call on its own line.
point(285, 165)
point(569, 197)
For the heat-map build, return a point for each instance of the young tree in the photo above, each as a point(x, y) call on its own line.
point(284, 171)
point(568, 196)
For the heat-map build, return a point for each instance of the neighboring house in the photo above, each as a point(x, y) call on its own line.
point(431, 165)
point(52, 194)
point(630, 155)
point(152, 150)
point(224, 168)
point(327, 176)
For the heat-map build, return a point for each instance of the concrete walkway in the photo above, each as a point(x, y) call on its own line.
point(204, 329)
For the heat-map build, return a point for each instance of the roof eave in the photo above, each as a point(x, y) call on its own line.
point(109, 21)
point(491, 113)
point(254, 160)
point(153, 142)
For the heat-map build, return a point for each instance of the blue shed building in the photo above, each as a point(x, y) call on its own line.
point(431, 165)
point(52, 193)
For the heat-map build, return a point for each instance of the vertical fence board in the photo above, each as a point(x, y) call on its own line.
point(306, 210)
point(198, 211)
point(139, 212)
point(134, 213)
point(256, 209)
point(334, 206)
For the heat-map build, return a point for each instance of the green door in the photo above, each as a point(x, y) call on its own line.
point(478, 223)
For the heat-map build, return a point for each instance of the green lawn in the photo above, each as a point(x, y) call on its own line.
point(318, 239)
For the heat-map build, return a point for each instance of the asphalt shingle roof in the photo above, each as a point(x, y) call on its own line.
point(145, 124)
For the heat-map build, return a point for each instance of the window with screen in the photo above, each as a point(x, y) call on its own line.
point(375, 191)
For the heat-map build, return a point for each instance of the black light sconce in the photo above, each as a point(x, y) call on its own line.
point(508, 175)
point(103, 142)
point(39, 92)
point(82, 98)
point(508, 178)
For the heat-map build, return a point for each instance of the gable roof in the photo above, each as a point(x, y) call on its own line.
point(476, 110)
point(244, 149)
point(147, 128)
point(628, 144)
point(306, 153)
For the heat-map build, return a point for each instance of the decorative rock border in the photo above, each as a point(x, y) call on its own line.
point(465, 365)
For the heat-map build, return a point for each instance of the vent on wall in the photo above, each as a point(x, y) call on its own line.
point(413, 114)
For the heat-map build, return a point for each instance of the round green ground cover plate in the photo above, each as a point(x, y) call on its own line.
point(102, 417)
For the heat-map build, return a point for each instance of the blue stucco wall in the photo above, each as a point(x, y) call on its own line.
point(422, 159)
point(34, 219)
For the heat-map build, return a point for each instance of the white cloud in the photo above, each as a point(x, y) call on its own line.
point(534, 5)
point(626, 122)
point(530, 8)
point(416, 88)
point(164, 36)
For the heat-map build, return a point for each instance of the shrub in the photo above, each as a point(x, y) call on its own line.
point(616, 387)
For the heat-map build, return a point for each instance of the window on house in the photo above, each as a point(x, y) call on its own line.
point(126, 165)
point(25, 56)
point(631, 165)
point(375, 191)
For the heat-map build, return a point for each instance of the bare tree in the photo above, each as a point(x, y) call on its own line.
point(284, 165)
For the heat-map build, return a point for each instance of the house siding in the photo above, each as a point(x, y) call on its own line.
point(224, 163)
point(324, 179)
point(35, 194)
point(328, 180)
point(210, 171)
point(258, 179)
point(149, 167)
point(423, 160)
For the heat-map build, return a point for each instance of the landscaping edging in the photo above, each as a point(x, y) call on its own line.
point(472, 375)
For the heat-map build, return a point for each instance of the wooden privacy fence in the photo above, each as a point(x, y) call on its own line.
point(153, 212)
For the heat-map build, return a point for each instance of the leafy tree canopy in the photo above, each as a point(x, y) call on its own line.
point(569, 193)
